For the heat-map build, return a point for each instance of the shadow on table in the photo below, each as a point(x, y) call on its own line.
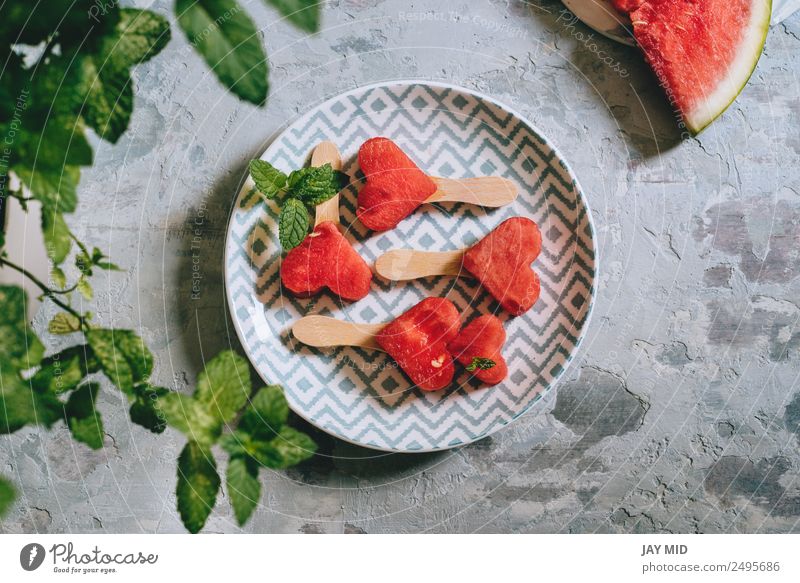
point(618, 78)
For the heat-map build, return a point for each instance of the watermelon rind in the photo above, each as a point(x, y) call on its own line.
point(739, 72)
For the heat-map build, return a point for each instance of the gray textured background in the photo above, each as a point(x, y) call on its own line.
point(682, 413)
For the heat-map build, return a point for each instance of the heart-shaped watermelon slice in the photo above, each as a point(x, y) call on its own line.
point(502, 262)
point(478, 347)
point(395, 185)
point(326, 259)
point(418, 341)
point(703, 52)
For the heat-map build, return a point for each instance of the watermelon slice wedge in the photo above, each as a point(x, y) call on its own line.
point(702, 51)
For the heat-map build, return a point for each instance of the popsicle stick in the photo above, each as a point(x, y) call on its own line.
point(327, 153)
point(487, 191)
point(406, 264)
point(324, 332)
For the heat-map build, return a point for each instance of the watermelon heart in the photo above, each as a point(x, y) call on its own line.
point(418, 340)
point(502, 262)
point(479, 341)
point(703, 53)
point(395, 185)
point(326, 259)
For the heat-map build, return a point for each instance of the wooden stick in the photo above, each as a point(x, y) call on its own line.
point(486, 191)
point(327, 153)
point(406, 264)
point(324, 332)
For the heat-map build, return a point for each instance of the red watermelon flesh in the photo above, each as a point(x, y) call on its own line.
point(395, 185)
point(626, 5)
point(502, 262)
point(702, 51)
point(418, 340)
point(482, 338)
point(326, 259)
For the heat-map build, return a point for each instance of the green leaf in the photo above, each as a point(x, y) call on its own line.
point(237, 443)
point(59, 277)
point(266, 414)
point(269, 180)
point(198, 484)
point(224, 385)
point(63, 371)
point(228, 41)
point(82, 418)
point(21, 405)
point(190, 417)
point(144, 410)
point(480, 363)
point(64, 323)
point(304, 14)
point(287, 449)
point(56, 235)
point(244, 488)
point(85, 289)
point(20, 349)
point(138, 36)
point(7, 495)
point(109, 97)
point(315, 185)
point(123, 357)
point(56, 188)
point(293, 224)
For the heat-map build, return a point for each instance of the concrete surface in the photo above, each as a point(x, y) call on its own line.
point(683, 412)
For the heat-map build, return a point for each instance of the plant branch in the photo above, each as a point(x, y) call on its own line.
point(48, 292)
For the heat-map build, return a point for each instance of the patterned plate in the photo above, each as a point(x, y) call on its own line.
point(361, 396)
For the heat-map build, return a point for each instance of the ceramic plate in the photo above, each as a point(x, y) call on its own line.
point(361, 396)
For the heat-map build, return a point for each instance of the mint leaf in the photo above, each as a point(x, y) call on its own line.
point(108, 94)
point(244, 488)
point(20, 349)
point(7, 495)
point(293, 224)
point(237, 443)
point(59, 277)
point(123, 357)
point(21, 405)
point(198, 484)
point(190, 417)
point(64, 323)
point(65, 370)
point(85, 289)
point(315, 185)
point(266, 414)
point(56, 235)
point(287, 449)
point(269, 180)
point(82, 418)
point(55, 188)
point(229, 43)
point(304, 14)
point(480, 363)
point(144, 410)
point(138, 36)
point(224, 385)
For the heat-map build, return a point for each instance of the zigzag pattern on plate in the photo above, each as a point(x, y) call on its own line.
point(360, 395)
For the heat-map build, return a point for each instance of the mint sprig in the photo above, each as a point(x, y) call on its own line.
point(298, 194)
point(480, 363)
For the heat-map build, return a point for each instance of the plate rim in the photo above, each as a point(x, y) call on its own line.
point(274, 139)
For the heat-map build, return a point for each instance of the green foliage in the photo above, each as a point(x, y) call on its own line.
point(198, 484)
point(299, 192)
point(7, 495)
point(76, 75)
point(480, 363)
point(293, 223)
point(82, 418)
point(228, 41)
